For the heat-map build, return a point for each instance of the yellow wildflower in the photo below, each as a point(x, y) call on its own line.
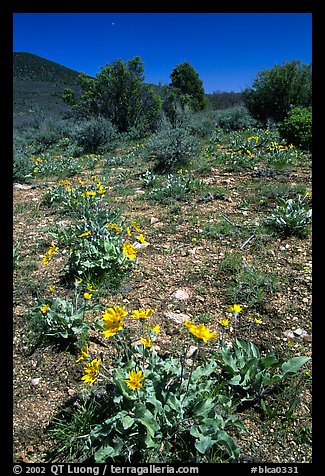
point(84, 355)
point(86, 233)
point(200, 331)
point(90, 287)
point(155, 329)
point(136, 226)
point(45, 308)
point(236, 308)
point(129, 251)
point(142, 313)
point(91, 371)
point(142, 240)
point(224, 322)
point(135, 379)
point(88, 296)
point(147, 342)
point(113, 320)
point(115, 227)
point(256, 320)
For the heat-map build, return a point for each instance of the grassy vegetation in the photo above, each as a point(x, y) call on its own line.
point(162, 288)
point(111, 229)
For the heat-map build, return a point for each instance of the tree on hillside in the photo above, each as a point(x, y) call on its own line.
point(186, 82)
point(119, 94)
point(276, 91)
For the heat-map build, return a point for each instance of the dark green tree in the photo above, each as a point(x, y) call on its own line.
point(276, 91)
point(185, 80)
point(119, 94)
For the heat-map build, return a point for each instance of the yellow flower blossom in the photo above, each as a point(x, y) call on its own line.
point(84, 355)
point(88, 296)
point(115, 227)
point(86, 233)
point(91, 371)
point(113, 320)
point(142, 240)
point(90, 287)
point(155, 329)
point(134, 380)
point(256, 320)
point(129, 251)
point(45, 308)
point(224, 322)
point(236, 308)
point(200, 332)
point(136, 226)
point(142, 313)
point(53, 249)
point(147, 342)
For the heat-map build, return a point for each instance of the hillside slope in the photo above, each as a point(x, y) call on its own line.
point(38, 85)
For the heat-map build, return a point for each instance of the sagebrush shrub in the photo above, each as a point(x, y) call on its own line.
point(173, 146)
point(93, 133)
point(234, 119)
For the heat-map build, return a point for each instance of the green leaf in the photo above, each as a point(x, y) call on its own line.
point(107, 451)
point(269, 361)
point(194, 431)
point(202, 407)
point(235, 380)
point(127, 421)
point(225, 441)
point(292, 366)
point(203, 444)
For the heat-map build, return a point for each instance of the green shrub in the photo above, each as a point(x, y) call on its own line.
point(275, 91)
point(22, 167)
point(291, 217)
point(234, 119)
point(94, 133)
point(296, 128)
point(172, 147)
point(58, 319)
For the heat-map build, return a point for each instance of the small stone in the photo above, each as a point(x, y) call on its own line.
point(177, 317)
point(300, 332)
point(181, 295)
point(191, 351)
point(307, 338)
point(22, 186)
point(35, 381)
point(289, 334)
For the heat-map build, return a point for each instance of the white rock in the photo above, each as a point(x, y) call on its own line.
point(177, 317)
point(35, 381)
point(22, 186)
point(300, 332)
point(289, 334)
point(181, 295)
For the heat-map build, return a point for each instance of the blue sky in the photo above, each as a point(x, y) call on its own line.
point(226, 49)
